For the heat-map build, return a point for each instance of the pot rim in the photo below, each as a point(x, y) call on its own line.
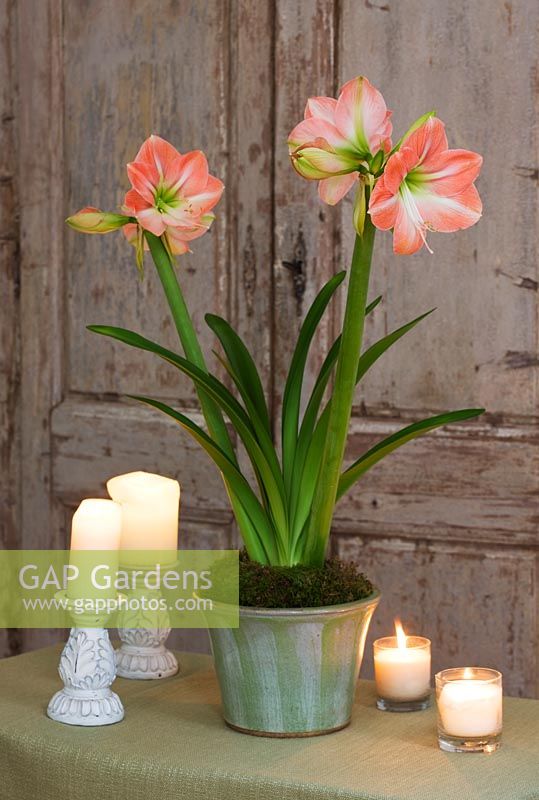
point(338, 609)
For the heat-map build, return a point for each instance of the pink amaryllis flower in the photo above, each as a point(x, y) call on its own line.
point(339, 137)
point(171, 194)
point(426, 187)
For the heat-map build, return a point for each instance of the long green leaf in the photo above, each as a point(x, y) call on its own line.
point(294, 381)
point(300, 488)
point(252, 411)
point(372, 305)
point(386, 446)
point(307, 480)
point(260, 537)
point(258, 427)
point(311, 431)
point(367, 359)
point(267, 472)
point(243, 367)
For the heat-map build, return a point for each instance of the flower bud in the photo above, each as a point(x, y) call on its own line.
point(318, 160)
point(92, 220)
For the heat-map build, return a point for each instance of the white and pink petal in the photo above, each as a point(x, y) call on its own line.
point(202, 202)
point(449, 214)
point(322, 108)
point(193, 173)
point(332, 190)
point(176, 243)
point(312, 129)
point(427, 142)
point(151, 220)
point(135, 202)
point(383, 206)
point(361, 115)
point(408, 237)
point(144, 179)
point(453, 172)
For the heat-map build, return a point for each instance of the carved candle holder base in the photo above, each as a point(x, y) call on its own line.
point(144, 663)
point(87, 669)
point(145, 629)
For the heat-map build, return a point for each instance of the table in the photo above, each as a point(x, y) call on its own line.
point(173, 745)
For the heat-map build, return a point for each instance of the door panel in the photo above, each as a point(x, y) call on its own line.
point(476, 65)
point(163, 86)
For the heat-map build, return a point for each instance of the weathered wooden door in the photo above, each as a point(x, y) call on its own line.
point(448, 527)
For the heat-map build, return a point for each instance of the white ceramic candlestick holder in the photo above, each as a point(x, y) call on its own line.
point(145, 629)
point(87, 670)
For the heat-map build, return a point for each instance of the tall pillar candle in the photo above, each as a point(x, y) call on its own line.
point(150, 507)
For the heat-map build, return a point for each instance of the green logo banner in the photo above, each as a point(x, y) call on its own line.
point(124, 589)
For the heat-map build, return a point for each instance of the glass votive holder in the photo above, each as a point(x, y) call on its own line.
point(402, 673)
point(469, 704)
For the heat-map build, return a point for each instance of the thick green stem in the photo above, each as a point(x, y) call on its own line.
point(342, 398)
point(212, 413)
point(188, 338)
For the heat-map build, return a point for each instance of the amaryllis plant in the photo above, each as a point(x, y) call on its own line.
point(412, 187)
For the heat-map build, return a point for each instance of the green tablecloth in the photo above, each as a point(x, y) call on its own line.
point(173, 745)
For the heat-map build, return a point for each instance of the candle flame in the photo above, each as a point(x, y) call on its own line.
point(401, 636)
point(468, 674)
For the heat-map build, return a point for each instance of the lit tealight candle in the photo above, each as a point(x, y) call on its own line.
point(469, 709)
point(402, 671)
point(150, 507)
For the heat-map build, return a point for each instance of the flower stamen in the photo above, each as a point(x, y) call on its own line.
point(413, 213)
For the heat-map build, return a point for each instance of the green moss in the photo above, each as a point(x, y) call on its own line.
point(262, 586)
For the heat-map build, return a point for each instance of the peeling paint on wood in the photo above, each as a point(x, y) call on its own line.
point(478, 606)
point(304, 66)
point(459, 59)
point(10, 640)
point(94, 440)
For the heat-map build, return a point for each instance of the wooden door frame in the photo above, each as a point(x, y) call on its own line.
point(10, 413)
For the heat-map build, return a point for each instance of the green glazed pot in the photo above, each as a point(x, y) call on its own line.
point(292, 672)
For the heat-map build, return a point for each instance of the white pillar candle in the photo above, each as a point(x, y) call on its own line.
point(96, 525)
point(470, 706)
point(150, 507)
point(402, 667)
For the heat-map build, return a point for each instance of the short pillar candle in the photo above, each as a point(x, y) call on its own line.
point(402, 672)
